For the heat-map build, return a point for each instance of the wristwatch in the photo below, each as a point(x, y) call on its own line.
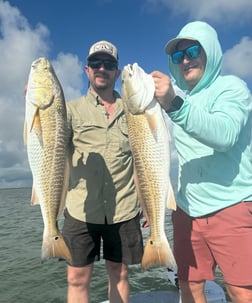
point(176, 104)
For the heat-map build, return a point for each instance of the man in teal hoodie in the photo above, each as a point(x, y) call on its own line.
point(212, 133)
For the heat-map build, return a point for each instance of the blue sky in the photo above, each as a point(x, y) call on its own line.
point(64, 30)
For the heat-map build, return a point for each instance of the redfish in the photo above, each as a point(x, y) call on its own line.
point(149, 140)
point(46, 137)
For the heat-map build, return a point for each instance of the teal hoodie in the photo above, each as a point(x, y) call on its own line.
point(212, 132)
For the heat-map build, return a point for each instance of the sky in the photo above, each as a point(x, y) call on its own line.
point(63, 31)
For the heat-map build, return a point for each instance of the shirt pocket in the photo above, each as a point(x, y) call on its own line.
point(123, 128)
point(88, 134)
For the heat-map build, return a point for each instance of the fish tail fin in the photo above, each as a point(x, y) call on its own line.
point(158, 253)
point(55, 247)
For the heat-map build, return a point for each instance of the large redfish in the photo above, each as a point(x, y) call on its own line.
point(149, 140)
point(45, 133)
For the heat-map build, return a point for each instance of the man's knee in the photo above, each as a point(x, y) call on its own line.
point(118, 270)
point(79, 277)
point(192, 289)
point(239, 294)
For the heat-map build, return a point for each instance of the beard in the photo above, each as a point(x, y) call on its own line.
point(102, 83)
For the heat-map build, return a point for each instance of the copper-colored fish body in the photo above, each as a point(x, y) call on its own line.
point(46, 137)
point(149, 140)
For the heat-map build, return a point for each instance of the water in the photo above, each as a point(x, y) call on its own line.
point(24, 279)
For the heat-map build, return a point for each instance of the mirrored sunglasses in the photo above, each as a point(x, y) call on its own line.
point(107, 64)
point(191, 52)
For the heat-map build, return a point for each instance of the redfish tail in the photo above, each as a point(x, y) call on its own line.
point(158, 253)
point(55, 247)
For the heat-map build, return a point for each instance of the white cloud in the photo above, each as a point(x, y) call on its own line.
point(19, 46)
point(237, 60)
point(69, 70)
point(213, 10)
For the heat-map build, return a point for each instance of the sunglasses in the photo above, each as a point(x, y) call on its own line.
point(108, 64)
point(191, 52)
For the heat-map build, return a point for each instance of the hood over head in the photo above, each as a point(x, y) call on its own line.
point(208, 38)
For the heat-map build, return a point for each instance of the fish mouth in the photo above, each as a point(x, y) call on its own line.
point(45, 64)
point(128, 71)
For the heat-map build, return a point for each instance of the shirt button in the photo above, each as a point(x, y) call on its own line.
point(105, 201)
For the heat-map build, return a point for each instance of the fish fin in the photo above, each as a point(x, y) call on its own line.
point(36, 125)
point(152, 122)
point(64, 188)
point(34, 197)
point(158, 253)
point(25, 133)
point(140, 195)
point(55, 247)
point(171, 201)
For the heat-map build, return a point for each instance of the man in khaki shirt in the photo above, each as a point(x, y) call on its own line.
point(102, 200)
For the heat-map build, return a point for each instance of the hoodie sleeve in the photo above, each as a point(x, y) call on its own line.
point(216, 116)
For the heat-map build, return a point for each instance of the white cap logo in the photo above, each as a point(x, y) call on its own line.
point(103, 47)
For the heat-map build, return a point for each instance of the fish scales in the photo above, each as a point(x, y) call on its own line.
point(149, 141)
point(46, 136)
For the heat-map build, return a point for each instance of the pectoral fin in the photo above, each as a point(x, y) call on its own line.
point(152, 122)
point(36, 124)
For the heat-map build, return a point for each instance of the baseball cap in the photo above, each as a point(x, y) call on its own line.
point(171, 45)
point(103, 47)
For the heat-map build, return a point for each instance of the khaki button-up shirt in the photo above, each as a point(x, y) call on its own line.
point(101, 167)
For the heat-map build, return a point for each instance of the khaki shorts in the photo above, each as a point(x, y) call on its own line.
point(122, 242)
point(223, 238)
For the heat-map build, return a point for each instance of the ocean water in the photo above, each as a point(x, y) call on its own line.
point(24, 279)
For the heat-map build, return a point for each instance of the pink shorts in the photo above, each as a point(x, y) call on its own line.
point(223, 238)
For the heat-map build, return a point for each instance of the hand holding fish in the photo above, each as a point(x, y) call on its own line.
point(164, 91)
